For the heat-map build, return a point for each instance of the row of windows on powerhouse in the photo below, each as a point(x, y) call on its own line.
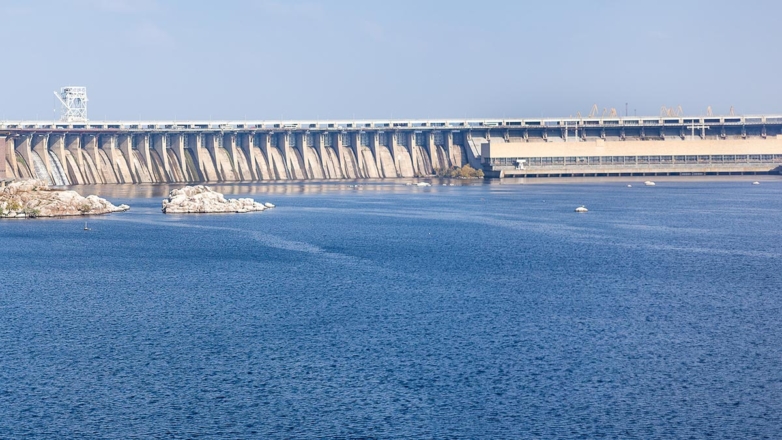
point(636, 159)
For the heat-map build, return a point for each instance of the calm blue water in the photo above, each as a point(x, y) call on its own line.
point(476, 311)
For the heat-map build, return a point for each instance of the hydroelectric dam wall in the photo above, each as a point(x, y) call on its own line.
point(68, 153)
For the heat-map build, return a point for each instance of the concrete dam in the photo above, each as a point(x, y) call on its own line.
point(94, 152)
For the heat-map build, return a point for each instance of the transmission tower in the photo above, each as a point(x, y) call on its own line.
point(74, 103)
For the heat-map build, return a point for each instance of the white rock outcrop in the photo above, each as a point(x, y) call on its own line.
point(202, 199)
point(34, 198)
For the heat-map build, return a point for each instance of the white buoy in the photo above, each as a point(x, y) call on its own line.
point(629, 186)
point(756, 183)
point(649, 183)
point(582, 208)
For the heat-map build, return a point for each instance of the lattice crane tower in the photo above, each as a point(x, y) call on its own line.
point(74, 103)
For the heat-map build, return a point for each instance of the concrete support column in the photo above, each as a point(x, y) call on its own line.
point(140, 169)
point(431, 148)
point(79, 175)
point(301, 145)
point(178, 146)
point(4, 157)
point(391, 138)
point(283, 143)
point(373, 147)
point(449, 149)
point(411, 147)
point(160, 145)
point(246, 143)
point(355, 145)
point(93, 145)
point(196, 143)
point(90, 148)
point(40, 145)
point(22, 146)
point(200, 145)
point(229, 143)
point(74, 144)
point(108, 143)
point(57, 146)
point(336, 143)
point(266, 149)
point(211, 160)
point(126, 149)
point(320, 148)
point(14, 146)
point(211, 142)
point(266, 145)
point(142, 145)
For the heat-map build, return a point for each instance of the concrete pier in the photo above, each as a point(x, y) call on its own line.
point(231, 151)
point(3, 157)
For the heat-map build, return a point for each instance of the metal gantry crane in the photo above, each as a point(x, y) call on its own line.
point(74, 103)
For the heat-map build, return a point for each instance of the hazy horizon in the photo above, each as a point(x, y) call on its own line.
point(259, 59)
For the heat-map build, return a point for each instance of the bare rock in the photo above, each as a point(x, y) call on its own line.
point(33, 198)
point(202, 199)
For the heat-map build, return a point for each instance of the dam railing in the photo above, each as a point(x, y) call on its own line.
point(228, 125)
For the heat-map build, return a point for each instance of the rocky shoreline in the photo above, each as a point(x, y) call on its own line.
point(201, 199)
point(34, 198)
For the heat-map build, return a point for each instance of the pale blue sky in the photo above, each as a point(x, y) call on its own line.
point(266, 59)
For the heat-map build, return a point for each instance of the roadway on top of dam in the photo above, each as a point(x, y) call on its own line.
point(351, 125)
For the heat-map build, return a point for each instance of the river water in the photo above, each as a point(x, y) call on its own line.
point(468, 311)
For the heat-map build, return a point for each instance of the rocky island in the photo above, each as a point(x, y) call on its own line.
point(34, 198)
point(202, 199)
